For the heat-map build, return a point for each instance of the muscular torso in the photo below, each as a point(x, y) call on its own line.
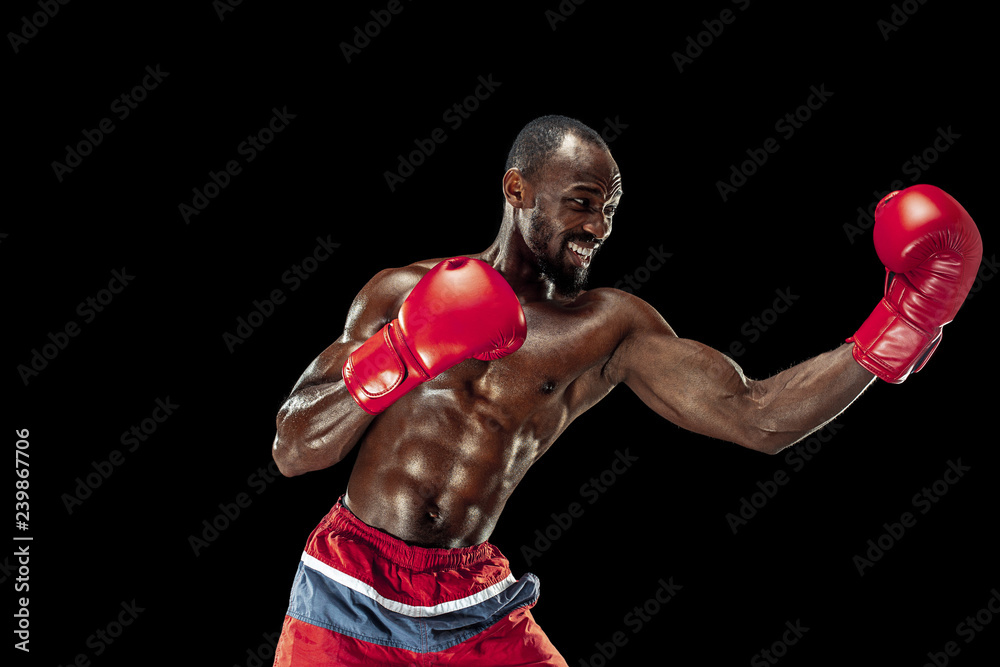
point(437, 467)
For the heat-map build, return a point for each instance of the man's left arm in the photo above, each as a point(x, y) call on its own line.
point(931, 249)
point(702, 390)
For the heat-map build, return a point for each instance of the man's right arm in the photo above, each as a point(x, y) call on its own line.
point(319, 423)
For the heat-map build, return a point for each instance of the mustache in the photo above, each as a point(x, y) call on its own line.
point(586, 238)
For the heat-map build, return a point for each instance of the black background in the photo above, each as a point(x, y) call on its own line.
point(675, 134)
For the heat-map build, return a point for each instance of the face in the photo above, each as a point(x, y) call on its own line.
point(575, 200)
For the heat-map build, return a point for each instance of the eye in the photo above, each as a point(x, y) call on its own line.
point(582, 202)
point(610, 210)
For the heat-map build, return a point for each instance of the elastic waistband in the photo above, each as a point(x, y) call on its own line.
point(342, 520)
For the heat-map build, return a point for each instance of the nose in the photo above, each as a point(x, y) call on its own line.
point(599, 225)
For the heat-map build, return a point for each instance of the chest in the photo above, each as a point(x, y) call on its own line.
point(561, 358)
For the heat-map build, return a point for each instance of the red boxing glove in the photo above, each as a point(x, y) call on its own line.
point(461, 308)
point(931, 249)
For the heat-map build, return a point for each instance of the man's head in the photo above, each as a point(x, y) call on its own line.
point(541, 138)
point(562, 187)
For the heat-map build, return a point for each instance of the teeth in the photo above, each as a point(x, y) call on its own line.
point(586, 252)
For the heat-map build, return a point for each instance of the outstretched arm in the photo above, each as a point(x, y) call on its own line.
point(703, 390)
point(931, 249)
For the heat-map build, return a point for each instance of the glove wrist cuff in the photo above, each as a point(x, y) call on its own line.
point(890, 346)
point(381, 370)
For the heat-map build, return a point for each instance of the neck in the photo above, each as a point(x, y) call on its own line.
point(511, 257)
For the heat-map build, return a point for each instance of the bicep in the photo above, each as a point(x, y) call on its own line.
point(689, 383)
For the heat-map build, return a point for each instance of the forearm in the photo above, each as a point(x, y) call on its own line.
point(792, 404)
point(317, 427)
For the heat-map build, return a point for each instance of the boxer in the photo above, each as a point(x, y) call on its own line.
point(453, 376)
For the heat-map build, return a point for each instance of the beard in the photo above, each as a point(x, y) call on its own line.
point(567, 279)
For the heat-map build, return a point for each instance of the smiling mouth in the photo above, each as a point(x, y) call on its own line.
point(580, 254)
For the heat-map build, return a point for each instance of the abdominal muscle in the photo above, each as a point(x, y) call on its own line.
point(437, 467)
point(441, 480)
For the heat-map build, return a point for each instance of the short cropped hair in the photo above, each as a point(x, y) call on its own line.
point(539, 139)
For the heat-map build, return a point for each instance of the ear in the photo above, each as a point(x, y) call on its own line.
point(517, 190)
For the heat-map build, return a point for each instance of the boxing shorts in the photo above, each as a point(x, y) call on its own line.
point(363, 597)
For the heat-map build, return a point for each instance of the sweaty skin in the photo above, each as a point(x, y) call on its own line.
point(437, 467)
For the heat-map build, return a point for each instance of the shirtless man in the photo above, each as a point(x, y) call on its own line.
point(456, 386)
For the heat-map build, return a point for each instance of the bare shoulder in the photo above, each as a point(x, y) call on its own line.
point(376, 304)
point(379, 300)
point(402, 279)
point(634, 321)
point(399, 278)
point(395, 284)
point(629, 312)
